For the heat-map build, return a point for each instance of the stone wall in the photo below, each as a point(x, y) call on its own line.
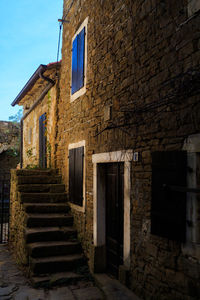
point(17, 222)
point(9, 146)
point(141, 94)
point(31, 130)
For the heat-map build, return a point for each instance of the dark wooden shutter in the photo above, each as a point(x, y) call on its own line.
point(168, 207)
point(71, 174)
point(79, 152)
point(78, 58)
point(76, 175)
point(42, 141)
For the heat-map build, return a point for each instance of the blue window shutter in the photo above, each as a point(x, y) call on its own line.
point(74, 65)
point(78, 59)
point(81, 56)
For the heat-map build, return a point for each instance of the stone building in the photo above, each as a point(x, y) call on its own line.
point(38, 98)
point(127, 140)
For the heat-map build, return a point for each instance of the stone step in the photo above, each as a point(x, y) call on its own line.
point(41, 179)
point(36, 172)
point(40, 220)
point(53, 248)
point(46, 207)
point(50, 280)
point(41, 188)
point(56, 264)
point(50, 234)
point(42, 197)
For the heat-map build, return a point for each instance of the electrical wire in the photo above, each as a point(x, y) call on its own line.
point(60, 30)
point(58, 51)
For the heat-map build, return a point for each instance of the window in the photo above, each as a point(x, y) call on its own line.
point(79, 61)
point(76, 156)
point(169, 182)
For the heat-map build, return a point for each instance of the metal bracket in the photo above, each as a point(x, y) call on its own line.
point(63, 21)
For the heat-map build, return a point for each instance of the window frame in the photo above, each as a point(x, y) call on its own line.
point(82, 90)
point(192, 146)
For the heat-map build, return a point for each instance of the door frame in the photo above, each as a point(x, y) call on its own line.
point(99, 212)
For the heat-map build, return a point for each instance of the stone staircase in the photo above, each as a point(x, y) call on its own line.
point(54, 253)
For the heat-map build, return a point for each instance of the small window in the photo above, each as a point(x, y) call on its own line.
point(169, 185)
point(79, 61)
point(76, 156)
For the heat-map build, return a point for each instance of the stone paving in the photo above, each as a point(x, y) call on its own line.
point(14, 286)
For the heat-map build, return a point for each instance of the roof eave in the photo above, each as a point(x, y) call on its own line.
point(29, 84)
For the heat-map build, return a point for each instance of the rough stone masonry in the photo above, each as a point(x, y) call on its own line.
point(141, 82)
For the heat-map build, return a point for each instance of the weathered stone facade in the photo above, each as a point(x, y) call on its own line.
point(141, 94)
point(9, 146)
point(31, 131)
point(17, 224)
point(43, 103)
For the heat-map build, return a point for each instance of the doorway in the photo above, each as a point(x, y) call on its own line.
point(111, 180)
point(114, 187)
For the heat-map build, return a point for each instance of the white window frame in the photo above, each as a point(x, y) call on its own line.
point(192, 246)
point(82, 91)
point(72, 205)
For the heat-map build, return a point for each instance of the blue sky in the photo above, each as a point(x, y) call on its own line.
point(28, 37)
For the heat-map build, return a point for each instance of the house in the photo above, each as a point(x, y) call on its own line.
point(38, 98)
point(127, 140)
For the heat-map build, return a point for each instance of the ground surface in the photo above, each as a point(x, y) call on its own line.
point(14, 286)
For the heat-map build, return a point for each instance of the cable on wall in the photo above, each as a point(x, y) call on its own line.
point(63, 20)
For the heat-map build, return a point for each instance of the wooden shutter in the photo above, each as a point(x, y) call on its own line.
point(79, 152)
point(74, 65)
point(42, 141)
point(168, 207)
point(71, 175)
point(76, 175)
point(81, 56)
point(78, 58)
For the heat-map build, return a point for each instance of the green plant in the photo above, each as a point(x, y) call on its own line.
point(32, 166)
point(49, 153)
point(13, 152)
point(32, 157)
point(29, 152)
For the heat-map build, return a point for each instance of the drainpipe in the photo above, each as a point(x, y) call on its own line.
point(50, 84)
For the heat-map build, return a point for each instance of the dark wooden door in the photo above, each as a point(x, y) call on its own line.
point(114, 216)
point(42, 141)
